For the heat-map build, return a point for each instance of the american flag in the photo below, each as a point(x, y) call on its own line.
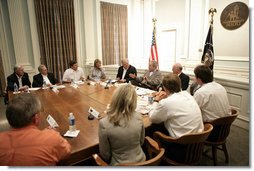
point(154, 53)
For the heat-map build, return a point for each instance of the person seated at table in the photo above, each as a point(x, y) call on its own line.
point(177, 69)
point(124, 71)
point(43, 76)
point(211, 96)
point(25, 144)
point(74, 73)
point(121, 131)
point(97, 73)
point(177, 109)
point(20, 77)
point(151, 79)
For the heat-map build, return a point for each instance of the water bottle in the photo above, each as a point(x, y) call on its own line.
point(44, 85)
point(72, 82)
point(16, 89)
point(72, 124)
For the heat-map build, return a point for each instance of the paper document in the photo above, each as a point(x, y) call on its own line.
point(143, 106)
point(72, 133)
point(58, 86)
point(52, 121)
point(79, 82)
point(34, 88)
point(143, 91)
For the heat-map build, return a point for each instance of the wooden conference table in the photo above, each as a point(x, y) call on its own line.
point(78, 101)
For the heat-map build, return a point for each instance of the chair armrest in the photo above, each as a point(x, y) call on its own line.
point(159, 135)
point(99, 161)
point(152, 143)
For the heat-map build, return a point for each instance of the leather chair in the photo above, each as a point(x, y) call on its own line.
point(152, 150)
point(217, 138)
point(185, 150)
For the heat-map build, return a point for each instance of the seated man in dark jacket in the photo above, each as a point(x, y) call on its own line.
point(177, 69)
point(19, 77)
point(43, 76)
point(124, 71)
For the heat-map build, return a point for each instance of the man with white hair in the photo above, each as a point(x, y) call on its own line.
point(124, 72)
point(43, 76)
point(177, 69)
point(20, 77)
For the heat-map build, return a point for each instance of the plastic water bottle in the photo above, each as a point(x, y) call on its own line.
point(72, 124)
point(44, 85)
point(72, 81)
point(16, 89)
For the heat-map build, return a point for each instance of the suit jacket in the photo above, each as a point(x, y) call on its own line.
point(11, 79)
point(131, 70)
point(38, 79)
point(122, 144)
point(184, 81)
point(152, 82)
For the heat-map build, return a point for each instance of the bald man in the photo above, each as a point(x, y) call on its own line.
point(124, 71)
point(177, 69)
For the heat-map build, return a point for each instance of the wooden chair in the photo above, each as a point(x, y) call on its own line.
point(152, 150)
point(217, 138)
point(185, 150)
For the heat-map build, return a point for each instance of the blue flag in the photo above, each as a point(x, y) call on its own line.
point(208, 54)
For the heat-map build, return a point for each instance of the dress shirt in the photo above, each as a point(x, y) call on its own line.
point(124, 72)
point(213, 101)
point(179, 112)
point(46, 79)
point(30, 146)
point(72, 74)
point(20, 81)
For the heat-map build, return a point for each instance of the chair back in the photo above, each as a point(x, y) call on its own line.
point(154, 155)
point(185, 150)
point(221, 127)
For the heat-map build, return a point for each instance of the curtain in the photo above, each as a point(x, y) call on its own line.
point(2, 77)
point(114, 26)
point(56, 30)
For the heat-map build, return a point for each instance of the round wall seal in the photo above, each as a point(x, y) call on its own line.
point(234, 15)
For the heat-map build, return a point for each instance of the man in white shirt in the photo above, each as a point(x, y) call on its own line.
point(211, 97)
point(177, 109)
point(74, 73)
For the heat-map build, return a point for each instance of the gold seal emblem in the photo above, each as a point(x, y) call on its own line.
point(234, 15)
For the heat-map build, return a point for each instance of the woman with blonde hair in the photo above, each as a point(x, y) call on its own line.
point(121, 132)
point(97, 72)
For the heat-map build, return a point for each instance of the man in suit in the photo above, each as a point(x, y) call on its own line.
point(19, 77)
point(124, 71)
point(44, 75)
point(177, 69)
point(151, 79)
